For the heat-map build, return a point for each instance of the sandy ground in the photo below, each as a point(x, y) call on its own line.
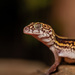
point(20, 67)
point(27, 67)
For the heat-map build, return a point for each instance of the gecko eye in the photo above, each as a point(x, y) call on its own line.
point(37, 26)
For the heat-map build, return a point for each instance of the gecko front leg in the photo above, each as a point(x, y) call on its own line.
point(56, 63)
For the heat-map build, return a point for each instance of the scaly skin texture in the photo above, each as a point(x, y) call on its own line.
point(60, 46)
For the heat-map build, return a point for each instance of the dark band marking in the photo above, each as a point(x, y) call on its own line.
point(65, 41)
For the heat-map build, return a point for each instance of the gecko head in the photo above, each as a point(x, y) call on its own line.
point(38, 28)
point(41, 32)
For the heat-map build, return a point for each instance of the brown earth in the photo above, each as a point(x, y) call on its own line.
point(27, 67)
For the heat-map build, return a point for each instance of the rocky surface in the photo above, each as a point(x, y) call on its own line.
point(65, 70)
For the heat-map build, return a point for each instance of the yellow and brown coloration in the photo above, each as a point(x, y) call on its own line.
point(60, 46)
point(65, 42)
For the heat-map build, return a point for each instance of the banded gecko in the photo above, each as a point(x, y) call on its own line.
point(60, 46)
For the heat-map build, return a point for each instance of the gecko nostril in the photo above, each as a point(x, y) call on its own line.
point(26, 29)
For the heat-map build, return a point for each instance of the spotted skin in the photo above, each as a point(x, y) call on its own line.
point(60, 46)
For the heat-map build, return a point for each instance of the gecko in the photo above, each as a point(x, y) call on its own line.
point(60, 46)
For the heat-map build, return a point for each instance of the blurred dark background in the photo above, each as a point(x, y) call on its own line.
point(15, 14)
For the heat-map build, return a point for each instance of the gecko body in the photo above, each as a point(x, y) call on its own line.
point(60, 46)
